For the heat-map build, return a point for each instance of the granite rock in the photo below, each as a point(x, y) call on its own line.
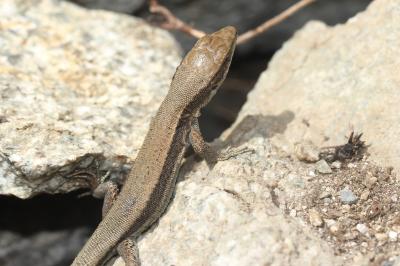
point(337, 79)
point(236, 212)
point(227, 216)
point(123, 6)
point(77, 91)
point(223, 215)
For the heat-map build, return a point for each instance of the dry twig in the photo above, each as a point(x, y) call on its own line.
point(172, 22)
point(273, 21)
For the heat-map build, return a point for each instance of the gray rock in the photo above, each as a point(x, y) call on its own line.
point(347, 196)
point(220, 206)
point(306, 152)
point(337, 165)
point(228, 214)
point(333, 78)
point(323, 167)
point(45, 248)
point(77, 91)
point(362, 228)
point(315, 218)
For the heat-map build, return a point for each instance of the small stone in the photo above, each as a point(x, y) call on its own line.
point(306, 152)
point(323, 167)
point(394, 198)
point(293, 213)
point(327, 201)
point(315, 218)
point(347, 196)
point(346, 208)
point(377, 227)
point(295, 180)
point(336, 165)
point(364, 195)
point(392, 236)
point(389, 262)
point(396, 228)
point(381, 237)
point(362, 228)
point(334, 227)
point(351, 165)
point(312, 173)
point(325, 194)
point(308, 178)
point(329, 222)
point(370, 181)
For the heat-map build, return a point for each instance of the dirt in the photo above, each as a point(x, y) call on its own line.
point(366, 226)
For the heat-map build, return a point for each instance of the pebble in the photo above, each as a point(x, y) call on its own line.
point(362, 228)
point(364, 195)
point(327, 201)
point(323, 167)
point(392, 236)
point(396, 228)
point(334, 229)
point(381, 237)
point(394, 198)
point(312, 174)
point(347, 196)
point(315, 218)
point(336, 165)
point(351, 165)
point(370, 181)
point(306, 152)
point(325, 194)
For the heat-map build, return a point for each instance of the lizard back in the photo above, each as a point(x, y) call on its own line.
point(149, 187)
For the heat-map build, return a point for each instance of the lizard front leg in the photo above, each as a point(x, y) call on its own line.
point(205, 150)
point(109, 190)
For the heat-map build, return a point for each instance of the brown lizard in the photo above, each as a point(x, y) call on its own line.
point(148, 189)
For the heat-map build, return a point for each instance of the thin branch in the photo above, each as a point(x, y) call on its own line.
point(172, 22)
point(273, 21)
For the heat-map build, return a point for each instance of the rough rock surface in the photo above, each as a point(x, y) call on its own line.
point(236, 213)
point(229, 216)
point(124, 6)
point(337, 79)
point(253, 209)
point(77, 91)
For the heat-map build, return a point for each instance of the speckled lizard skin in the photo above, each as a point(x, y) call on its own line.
point(149, 187)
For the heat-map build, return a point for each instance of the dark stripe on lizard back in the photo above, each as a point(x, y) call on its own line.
point(157, 204)
point(172, 163)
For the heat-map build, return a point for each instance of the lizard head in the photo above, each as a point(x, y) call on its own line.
point(203, 69)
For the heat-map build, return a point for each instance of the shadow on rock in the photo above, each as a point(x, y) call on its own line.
point(262, 125)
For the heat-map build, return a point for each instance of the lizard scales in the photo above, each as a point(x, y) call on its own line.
point(149, 186)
